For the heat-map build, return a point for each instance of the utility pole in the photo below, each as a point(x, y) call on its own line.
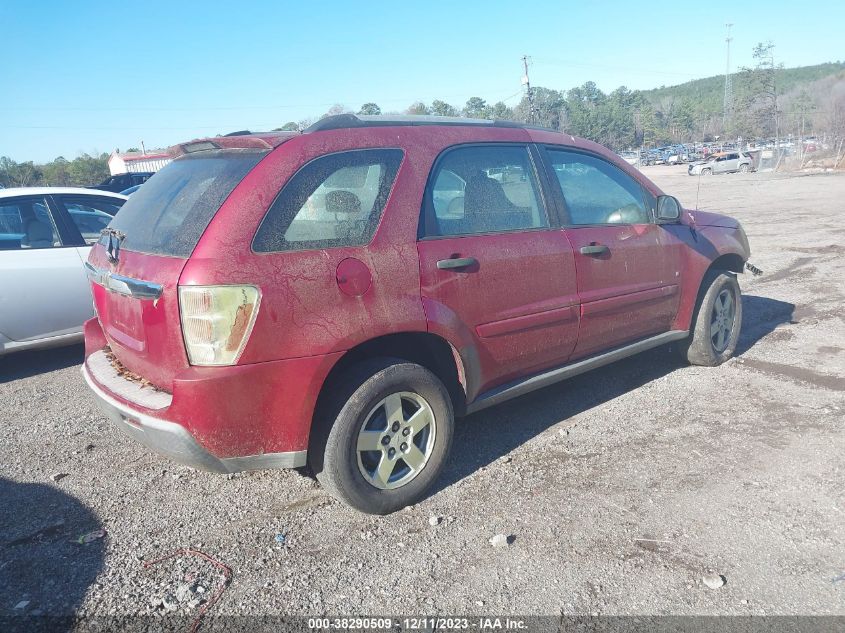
point(727, 105)
point(775, 97)
point(532, 111)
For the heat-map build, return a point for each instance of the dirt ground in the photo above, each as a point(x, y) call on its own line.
point(621, 488)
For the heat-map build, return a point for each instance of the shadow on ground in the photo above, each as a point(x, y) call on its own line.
point(760, 316)
point(25, 364)
point(482, 438)
point(44, 569)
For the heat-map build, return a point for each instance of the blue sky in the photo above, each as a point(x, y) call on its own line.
point(92, 76)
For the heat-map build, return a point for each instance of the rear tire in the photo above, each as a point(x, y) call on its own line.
point(716, 322)
point(743, 169)
point(366, 430)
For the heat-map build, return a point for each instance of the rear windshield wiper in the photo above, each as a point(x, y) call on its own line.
point(115, 238)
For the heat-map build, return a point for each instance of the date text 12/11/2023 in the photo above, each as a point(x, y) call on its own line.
point(419, 623)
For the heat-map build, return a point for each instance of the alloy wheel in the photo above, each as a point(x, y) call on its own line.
point(396, 440)
point(722, 320)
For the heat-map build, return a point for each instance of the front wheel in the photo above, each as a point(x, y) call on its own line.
point(383, 437)
point(715, 329)
point(707, 172)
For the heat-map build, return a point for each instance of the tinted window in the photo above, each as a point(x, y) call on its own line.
point(91, 215)
point(168, 215)
point(596, 192)
point(335, 200)
point(483, 190)
point(26, 224)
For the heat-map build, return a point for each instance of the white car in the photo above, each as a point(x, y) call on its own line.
point(45, 236)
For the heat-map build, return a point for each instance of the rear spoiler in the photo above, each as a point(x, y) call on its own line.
point(268, 140)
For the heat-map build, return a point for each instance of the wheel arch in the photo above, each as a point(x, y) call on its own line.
point(733, 262)
point(730, 262)
point(423, 348)
point(698, 272)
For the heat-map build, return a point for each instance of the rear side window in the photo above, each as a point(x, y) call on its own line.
point(480, 189)
point(335, 200)
point(168, 215)
point(90, 215)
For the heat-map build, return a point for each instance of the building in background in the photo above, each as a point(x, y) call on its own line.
point(121, 163)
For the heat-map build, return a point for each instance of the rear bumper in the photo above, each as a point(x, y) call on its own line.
point(174, 441)
point(221, 419)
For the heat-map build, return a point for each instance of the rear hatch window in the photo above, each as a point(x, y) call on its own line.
point(169, 213)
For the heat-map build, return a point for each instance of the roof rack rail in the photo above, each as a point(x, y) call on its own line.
point(342, 121)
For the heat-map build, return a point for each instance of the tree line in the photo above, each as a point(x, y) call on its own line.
point(82, 170)
point(769, 102)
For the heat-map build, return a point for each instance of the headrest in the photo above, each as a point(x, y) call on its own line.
point(342, 201)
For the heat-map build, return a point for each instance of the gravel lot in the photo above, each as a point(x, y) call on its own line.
point(621, 488)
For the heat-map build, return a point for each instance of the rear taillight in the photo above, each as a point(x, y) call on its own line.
point(217, 321)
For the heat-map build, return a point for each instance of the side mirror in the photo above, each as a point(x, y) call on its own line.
point(668, 209)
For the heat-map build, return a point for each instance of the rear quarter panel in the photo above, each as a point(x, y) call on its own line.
point(303, 311)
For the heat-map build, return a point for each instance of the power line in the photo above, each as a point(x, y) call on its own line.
point(219, 108)
point(547, 61)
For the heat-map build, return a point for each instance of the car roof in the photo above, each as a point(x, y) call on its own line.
point(410, 126)
point(342, 121)
point(47, 191)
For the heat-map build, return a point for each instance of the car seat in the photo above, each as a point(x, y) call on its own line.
point(488, 208)
point(38, 234)
point(346, 207)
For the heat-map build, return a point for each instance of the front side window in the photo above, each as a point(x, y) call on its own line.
point(481, 189)
point(335, 200)
point(596, 192)
point(26, 224)
point(91, 215)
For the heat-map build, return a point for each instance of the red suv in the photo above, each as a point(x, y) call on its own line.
point(337, 297)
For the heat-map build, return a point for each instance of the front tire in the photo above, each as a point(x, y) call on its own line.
point(717, 321)
point(383, 436)
point(707, 172)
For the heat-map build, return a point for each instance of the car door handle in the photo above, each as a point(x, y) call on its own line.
point(456, 262)
point(594, 249)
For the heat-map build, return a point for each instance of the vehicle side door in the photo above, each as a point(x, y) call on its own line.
point(497, 276)
point(733, 162)
point(43, 289)
point(627, 269)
